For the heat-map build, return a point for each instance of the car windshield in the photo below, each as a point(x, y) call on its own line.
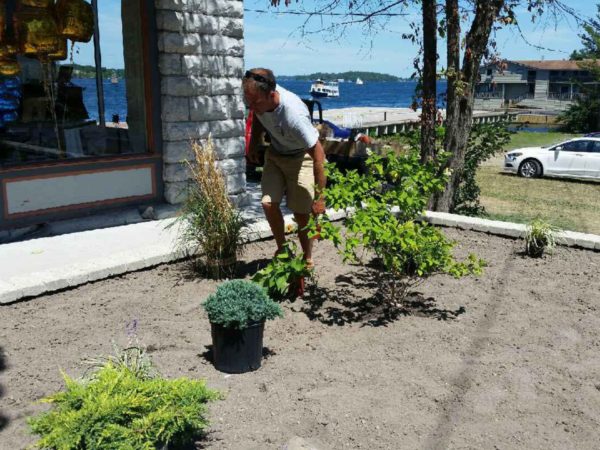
point(556, 144)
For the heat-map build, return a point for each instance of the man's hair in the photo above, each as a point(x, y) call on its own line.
point(261, 79)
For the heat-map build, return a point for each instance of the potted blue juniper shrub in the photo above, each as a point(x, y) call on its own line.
point(237, 312)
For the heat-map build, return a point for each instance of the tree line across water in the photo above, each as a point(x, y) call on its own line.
point(80, 71)
point(348, 76)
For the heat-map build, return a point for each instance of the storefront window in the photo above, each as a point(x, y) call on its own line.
point(56, 103)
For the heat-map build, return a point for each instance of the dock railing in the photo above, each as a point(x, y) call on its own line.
point(384, 128)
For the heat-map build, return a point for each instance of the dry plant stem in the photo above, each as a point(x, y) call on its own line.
point(208, 177)
point(212, 223)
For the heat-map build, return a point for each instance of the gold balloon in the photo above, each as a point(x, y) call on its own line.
point(37, 32)
point(8, 49)
point(76, 20)
point(37, 3)
point(61, 52)
point(9, 67)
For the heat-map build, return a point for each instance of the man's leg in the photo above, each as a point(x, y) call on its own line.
point(275, 219)
point(305, 241)
point(273, 187)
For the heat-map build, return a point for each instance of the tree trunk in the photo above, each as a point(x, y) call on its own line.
point(453, 74)
point(428, 111)
point(460, 105)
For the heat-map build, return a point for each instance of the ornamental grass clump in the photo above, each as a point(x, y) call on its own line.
point(539, 237)
point(239, 303)
point(120, 406)
point(210, 225)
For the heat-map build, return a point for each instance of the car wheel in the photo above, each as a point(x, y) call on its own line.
point(530, 168)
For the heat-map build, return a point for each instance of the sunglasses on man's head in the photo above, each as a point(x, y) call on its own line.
point(259, 78)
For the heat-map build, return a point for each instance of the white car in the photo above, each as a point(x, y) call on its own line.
point(575, 158)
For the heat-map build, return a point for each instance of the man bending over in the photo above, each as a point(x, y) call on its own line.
point(294, 163)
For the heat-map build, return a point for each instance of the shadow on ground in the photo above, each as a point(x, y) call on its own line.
point(207, 355)
point(347, 303)
point(193, 269)
point(3, 419)
point(583, 181)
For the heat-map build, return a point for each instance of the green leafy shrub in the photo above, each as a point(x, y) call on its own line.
point(582, 116)
point(282, 272)
point(237, 303)
point(384, 207)
point(120, 408)
point(209, 223)
point(539, 237)
point(485, 141)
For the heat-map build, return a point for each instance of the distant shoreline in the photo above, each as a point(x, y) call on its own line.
point(349, 76)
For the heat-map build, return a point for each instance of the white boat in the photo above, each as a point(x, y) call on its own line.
point(359, 81)
point(114, 79)
point(322, 88)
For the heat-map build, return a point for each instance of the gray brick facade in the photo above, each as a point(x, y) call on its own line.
point(201, 62)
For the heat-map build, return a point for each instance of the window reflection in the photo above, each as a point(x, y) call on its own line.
point(49, 96)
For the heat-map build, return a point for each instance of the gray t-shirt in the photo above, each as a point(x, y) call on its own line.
point(289, 125)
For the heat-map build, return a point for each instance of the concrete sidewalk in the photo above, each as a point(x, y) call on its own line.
point(38, 266)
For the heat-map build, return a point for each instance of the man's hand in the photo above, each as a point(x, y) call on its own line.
point(318, 206)
point(318, 156)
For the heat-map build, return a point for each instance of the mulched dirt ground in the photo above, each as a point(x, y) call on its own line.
point(508, 360)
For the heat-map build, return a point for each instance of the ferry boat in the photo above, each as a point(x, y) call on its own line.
point(359, 81)
point(322, 88)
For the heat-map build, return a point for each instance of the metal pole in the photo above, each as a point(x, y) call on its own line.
point(98, 61)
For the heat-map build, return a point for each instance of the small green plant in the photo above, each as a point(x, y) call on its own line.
point(209, 224)
point(238, 303)
point(134, 359)
point(384, 208)
point(540, 237)
point(121, 406)
point(279, 276)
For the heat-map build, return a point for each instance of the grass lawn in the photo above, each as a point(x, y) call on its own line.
point(568, 204)
point(534, 139)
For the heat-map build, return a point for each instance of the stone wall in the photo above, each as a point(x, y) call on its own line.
point(201, 63)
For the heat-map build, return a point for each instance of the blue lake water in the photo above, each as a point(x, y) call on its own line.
point(389, 94)
point(397, 94)
point(115, 99)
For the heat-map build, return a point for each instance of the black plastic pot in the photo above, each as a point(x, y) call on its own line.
point(237, 351)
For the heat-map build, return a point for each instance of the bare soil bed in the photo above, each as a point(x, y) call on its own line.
point(508, 360)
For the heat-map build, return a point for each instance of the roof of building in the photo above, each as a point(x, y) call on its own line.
point(551, 64)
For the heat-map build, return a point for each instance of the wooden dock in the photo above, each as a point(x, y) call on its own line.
point(386, 121)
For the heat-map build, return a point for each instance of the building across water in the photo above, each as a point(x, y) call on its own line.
point(547, 85)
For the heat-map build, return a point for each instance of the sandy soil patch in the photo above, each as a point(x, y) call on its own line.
point(508, 360)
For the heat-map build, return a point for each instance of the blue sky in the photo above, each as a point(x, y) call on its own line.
point(111, 37)
point(273, 40)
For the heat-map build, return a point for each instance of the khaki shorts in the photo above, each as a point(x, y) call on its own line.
point(292, 176)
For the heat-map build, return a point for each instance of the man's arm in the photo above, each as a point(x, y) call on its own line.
point(256, 140)
point(317, 153)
